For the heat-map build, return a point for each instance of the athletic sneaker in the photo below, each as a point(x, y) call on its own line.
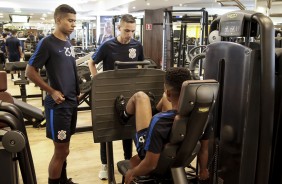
point(103, 174)
point(120, 106)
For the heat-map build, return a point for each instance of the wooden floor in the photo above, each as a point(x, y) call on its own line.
point(84, 159)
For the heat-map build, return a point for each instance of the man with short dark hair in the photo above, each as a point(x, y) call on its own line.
point(121, 48)
point(152, 132)
point(13, 47)
point(203, 154)
point(56, 53)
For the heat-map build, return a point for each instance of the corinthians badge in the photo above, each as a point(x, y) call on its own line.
point(62, 135)
point(132, 53)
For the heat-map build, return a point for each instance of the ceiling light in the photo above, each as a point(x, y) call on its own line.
point(148, 4)
point(1, 16)
point(1, 13)
point(42, 18)
point(17, 11)
point(134, 7)
point(180, 4)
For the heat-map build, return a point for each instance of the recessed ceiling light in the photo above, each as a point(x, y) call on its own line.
point(134, 7)
point(148, 4)
point(180, 4)
point(17, 11)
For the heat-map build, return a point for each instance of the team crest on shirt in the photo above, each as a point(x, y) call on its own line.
point(132, 53)
point(141, 139)
point(62, 135)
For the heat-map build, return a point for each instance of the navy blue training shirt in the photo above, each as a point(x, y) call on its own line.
point(58, 58)
point(112, 50)
point(159, 131)
point(13, 44)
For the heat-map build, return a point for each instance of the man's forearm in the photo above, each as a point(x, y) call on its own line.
point(142, 169)
point(203, 154)
point(147, 165)
point(92, 67)
point(33, 75)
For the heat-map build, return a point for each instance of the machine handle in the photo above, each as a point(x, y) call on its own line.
point(133, 63)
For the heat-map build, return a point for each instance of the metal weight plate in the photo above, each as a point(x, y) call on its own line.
point(84, 78)
point(214, 36)
point(13, 141)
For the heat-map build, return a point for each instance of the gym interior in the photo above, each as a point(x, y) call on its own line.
point(232, 49)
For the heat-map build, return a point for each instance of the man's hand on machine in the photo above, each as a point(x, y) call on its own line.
point(58, 97)
point(129, 177)
point(203, 174)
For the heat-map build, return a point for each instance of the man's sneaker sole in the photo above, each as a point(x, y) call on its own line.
point(120, 106)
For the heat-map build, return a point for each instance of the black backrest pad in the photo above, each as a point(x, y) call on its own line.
point(236, 68)
point(106, 86)
point(195, 103)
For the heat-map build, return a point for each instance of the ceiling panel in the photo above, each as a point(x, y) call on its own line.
point(42, 11)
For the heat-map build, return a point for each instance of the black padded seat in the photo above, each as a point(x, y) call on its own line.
point(29, 110)
point(195, 102)
point(4, 95)
point(15, 66)
point(123, 166)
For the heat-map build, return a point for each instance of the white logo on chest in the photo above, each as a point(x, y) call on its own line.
point(68, 51)
point(132, 53)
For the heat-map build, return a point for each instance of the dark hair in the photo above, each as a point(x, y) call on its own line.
point(127, 18)
point(14, 32)
point(4, 35)
point(174, 77)
point(63, 9)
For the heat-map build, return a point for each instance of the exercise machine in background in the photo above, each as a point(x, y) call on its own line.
point(244, 112)
point(176, 43)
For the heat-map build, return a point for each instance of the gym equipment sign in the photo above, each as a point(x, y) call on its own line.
point(149, 27)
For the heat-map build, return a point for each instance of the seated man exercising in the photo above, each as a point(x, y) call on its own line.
point(165, 105)
point(152, 132)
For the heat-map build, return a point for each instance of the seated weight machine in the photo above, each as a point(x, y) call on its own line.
point(109, 84)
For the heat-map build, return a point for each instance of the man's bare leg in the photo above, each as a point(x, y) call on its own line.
point(61, 151)
point(139, 104)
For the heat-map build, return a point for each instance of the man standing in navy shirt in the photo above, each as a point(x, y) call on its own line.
point(121, 48)
point(13, 47)
point(56, 53)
